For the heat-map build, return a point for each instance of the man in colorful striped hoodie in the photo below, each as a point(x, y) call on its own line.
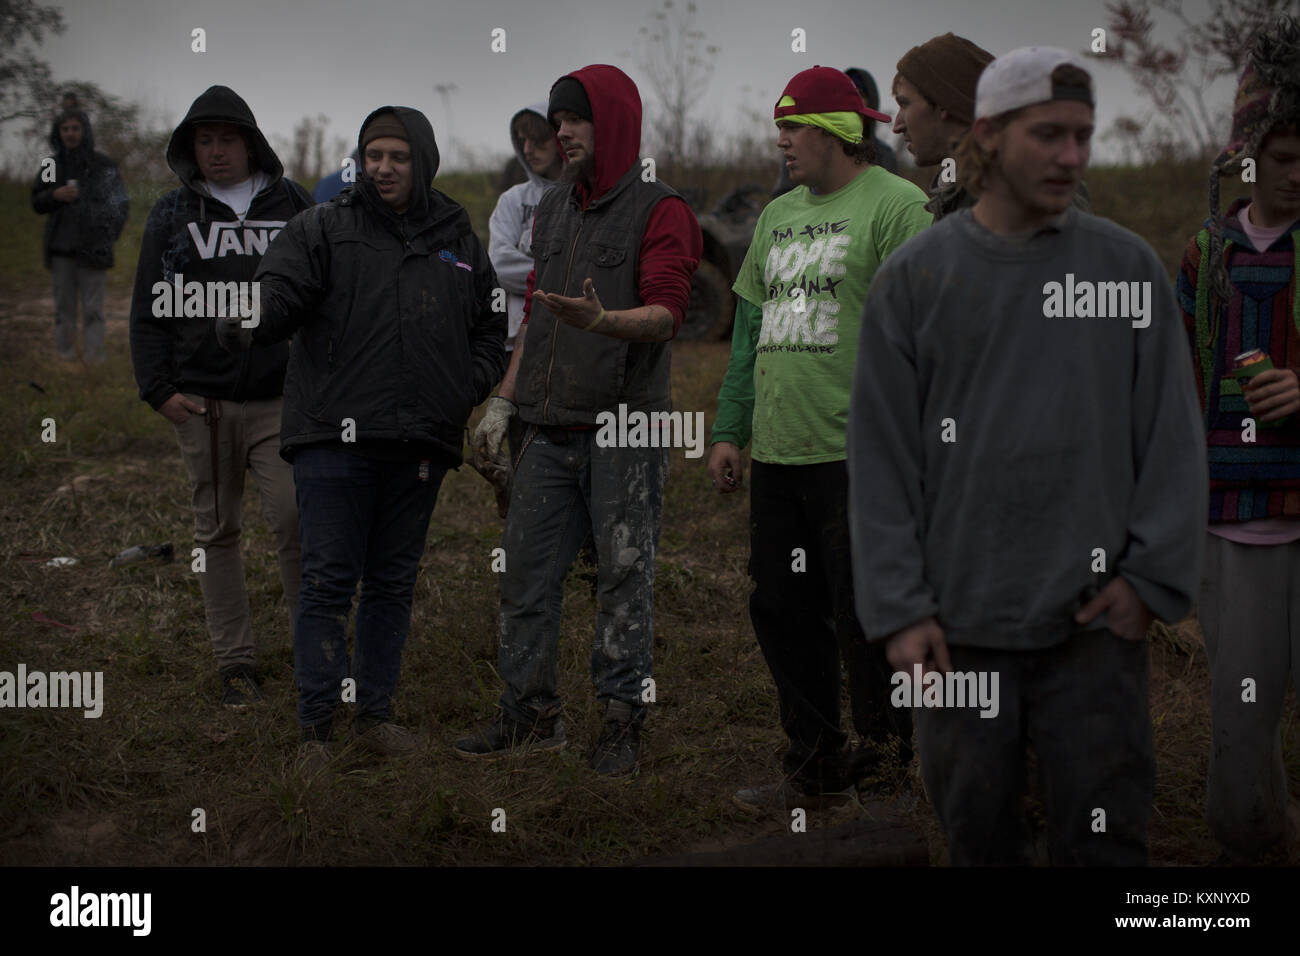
point(1238, 291)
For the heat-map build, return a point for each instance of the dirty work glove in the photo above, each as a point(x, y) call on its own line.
point(498, 477)
point(231, 335)
point(491, 431)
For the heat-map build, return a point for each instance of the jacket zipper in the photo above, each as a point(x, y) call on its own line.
point(582, 218)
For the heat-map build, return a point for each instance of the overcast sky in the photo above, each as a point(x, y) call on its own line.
point(290, 58)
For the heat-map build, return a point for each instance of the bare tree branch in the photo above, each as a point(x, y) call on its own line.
point(679, 60)
point(1174, 76)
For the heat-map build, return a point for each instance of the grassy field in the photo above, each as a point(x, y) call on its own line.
point(122, 789)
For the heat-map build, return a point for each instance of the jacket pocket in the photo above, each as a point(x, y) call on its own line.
point(605, 256)
point(545, 248)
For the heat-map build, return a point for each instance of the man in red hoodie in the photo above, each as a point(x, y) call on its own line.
point(614, 251)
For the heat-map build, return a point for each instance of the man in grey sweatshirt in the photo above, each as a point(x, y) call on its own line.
point(1027, 473)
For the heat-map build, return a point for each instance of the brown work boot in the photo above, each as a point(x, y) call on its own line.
point(387, 740)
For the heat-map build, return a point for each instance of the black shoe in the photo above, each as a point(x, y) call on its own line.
point(239, 689)
point(619, 747)
point(505, 736)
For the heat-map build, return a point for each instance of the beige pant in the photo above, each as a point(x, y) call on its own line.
point(248, 435)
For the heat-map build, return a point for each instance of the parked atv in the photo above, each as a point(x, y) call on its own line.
point(727, 230)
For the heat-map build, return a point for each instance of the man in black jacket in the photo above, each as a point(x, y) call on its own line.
point(388, 294)
point(209, 233)
point(83, 195)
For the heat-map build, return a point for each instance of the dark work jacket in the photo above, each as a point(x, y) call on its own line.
point(191, 233)
point(391, 316)
point(85, 229)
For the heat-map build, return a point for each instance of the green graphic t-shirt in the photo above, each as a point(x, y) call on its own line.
point(808, 269)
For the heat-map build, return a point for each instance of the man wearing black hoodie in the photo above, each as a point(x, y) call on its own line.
point(388, 294)
point(614, 250)
point(232, 201)
point(83, 195)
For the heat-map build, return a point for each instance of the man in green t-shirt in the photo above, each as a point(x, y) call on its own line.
point(799, 295)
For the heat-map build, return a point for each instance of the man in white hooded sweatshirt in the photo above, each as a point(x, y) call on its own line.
point(510, 247)
point(511, 226)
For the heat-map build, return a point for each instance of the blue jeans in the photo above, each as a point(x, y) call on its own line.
point(366, 519)
point(566, 485)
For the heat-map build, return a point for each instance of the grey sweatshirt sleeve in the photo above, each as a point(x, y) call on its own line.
point(505, 233)
point(885, 460)
point(1166, 522)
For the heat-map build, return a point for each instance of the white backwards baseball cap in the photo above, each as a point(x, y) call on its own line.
point(1023, 77)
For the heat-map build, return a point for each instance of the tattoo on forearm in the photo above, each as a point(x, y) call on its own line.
point(651, 327)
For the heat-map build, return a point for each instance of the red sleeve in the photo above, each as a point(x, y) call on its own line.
point(532, 275)
point(670, 253)
point(528, 295)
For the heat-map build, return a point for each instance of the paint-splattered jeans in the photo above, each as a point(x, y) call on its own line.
point(358, 518)
point(564, 485)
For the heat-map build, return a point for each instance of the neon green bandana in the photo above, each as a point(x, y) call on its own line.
point(847, 126)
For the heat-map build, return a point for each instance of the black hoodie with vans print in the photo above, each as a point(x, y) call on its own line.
point(194, 236)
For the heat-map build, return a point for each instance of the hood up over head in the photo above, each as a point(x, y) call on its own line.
point(87, 145)
point(219, 104)
point(539, 109)
point(616, 114)
point(424, 162)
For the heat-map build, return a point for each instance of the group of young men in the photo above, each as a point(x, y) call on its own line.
point(977, 449)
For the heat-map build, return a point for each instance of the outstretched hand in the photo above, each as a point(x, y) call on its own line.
point(580, 312)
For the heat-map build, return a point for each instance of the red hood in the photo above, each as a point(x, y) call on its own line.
point(616, 113)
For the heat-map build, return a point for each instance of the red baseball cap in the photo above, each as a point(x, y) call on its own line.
point(824, 89)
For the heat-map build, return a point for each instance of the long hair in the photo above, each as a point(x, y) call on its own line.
point(973, 161)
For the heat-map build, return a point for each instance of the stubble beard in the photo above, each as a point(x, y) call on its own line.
point(579, 171)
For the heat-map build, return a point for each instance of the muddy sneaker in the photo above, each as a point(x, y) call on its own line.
point(504, 736)
point(313, 757)
point(619, 747)
point(239, 689)
point(387, 740)
point(786, 796)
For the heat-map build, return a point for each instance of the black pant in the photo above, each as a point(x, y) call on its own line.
point(804, 619)
point(1083, 705)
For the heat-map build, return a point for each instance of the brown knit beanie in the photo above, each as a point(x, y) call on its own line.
point(385, 124)
point(946, 69)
